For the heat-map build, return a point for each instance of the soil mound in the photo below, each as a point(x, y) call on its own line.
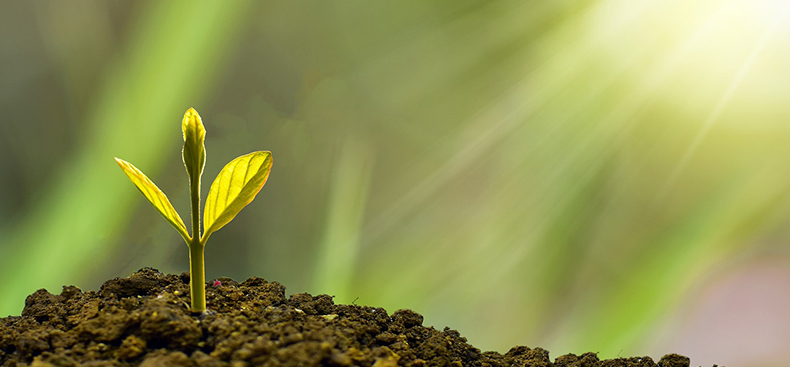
point(144, 320)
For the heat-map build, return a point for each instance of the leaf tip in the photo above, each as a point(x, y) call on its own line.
point(193, 122)
point(190, 115)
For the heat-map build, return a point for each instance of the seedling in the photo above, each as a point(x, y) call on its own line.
point(234, 188)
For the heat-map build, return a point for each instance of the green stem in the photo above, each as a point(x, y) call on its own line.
point(197, 276)
point(197, 268)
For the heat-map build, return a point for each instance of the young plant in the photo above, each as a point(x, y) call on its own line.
point(234, 188)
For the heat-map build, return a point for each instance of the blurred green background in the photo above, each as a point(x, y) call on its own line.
point(574, 175)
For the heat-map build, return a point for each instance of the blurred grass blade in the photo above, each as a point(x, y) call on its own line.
point(339, 250)
point(155, 196)
point(194, 151)
point(234, 188)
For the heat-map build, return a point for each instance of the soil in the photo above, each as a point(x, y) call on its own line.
point(145, 320)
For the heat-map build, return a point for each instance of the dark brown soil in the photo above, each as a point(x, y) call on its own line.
point(144, 320)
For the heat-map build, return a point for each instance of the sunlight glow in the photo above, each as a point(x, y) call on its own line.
point(746, 66)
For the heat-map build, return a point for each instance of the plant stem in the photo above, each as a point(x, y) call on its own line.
point(197, 276)
point(197, 268)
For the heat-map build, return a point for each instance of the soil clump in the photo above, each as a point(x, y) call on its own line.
point(145, 320)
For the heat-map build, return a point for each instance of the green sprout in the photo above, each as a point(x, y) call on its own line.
point(234, 188)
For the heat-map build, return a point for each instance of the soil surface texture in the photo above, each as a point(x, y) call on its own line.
point(145, 320)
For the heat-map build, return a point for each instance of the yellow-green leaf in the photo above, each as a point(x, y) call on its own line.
point(194, 152)
point(155, 196)
point(234, 188)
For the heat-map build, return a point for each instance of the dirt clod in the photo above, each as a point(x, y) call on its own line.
point(144, 320)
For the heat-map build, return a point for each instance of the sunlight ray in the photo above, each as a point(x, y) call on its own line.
point(725, 98)
point(506, 114)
